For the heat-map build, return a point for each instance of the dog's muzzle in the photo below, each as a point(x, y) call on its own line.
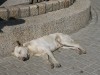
point(24, 58)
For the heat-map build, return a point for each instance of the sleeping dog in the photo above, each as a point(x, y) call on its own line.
point(44, 47)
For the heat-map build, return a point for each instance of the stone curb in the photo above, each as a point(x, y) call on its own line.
point(68, 20)
point(21, 11)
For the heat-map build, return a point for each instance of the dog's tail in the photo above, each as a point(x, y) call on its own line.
point(19, 44)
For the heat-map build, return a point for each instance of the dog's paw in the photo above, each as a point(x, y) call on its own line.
point(57, 65)
point(80, 51)
point(84, 52)
point(52, 66)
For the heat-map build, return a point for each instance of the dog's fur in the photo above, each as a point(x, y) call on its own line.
point(44, 47)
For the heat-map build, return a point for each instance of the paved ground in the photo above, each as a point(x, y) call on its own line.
point(72, 63)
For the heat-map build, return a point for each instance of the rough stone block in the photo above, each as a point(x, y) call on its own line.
point(55, 5)
point(43, 0)
point(39, 1)
point(13, 12)
point(35, 1)
point(24, 11)
point(71, 2)
point(41, 7)
point(33, 10)
point(67, 3)
point(49, 6)
point(61, 4)
point(3, 13)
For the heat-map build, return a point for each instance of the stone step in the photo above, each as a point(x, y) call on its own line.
point(23, 10)
point(6, 3)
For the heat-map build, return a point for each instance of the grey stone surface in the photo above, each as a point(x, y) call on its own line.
point(49, 6)
point(6, 3)
point(67, 3)
point(35, 1)
point(71, 2)
point(3, 13)
point(55, 5)
point(33, 10)
point(41, 7)
point(61, 4)
point(13, 12)
point(72, 63)
point(23, 10)
point(40, 1)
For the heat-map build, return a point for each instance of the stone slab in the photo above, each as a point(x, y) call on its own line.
point(6, 3)
point(13, 12)
point(3, 13)
point(55, 5)
point(39, 1)
point(49, 6)
point(67, 3)
point(33, 10)
point(34, 1)
point(24, 11)
point(41, 7)
point(61, 4)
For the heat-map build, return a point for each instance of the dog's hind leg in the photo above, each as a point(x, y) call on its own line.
point(76, 47)
point(67, 42)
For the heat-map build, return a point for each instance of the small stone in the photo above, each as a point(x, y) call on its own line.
point(81, 71)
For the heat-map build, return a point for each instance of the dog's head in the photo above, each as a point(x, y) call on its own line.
point(21, 52)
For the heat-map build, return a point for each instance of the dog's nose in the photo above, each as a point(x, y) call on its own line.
point(24, 58)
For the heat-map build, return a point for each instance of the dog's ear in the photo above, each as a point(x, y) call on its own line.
point(19, 44)
point(58, 39)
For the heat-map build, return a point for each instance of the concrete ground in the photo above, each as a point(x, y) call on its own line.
point(72, 63)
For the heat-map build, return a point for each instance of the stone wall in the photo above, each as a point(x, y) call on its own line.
point(21, 11)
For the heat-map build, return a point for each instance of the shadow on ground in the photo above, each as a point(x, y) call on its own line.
point(10, 22)
point(2, 1)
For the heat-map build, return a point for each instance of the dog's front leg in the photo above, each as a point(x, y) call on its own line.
point(52, 59)
point(47, 59)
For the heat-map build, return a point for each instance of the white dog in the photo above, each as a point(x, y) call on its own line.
point(44, 47)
